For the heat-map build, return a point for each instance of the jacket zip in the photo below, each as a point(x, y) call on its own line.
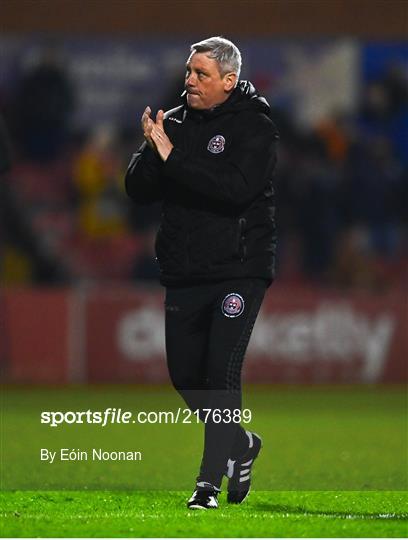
point(188, 254)
point(193, 148)
point(241, 239)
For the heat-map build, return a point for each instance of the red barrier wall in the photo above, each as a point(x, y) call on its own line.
point(321, 336)
point(35, 344)
point(125, 336)
point(117, 335)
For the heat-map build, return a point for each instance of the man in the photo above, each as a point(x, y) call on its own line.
point(211, 162)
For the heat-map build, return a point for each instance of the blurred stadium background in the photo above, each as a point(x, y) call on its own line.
point(80, 302)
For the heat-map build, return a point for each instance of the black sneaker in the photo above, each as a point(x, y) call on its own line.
point(239, 471)
point(204, 497)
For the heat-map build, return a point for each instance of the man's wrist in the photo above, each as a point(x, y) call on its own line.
point(172, 163)
point(168, 155)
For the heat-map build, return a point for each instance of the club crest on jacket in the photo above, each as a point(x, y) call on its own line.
point(216, 144)
point(233, 305)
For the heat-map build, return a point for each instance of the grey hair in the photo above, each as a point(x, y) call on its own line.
point(223, 51)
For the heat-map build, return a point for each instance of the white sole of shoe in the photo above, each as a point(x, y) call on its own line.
point(198, 507)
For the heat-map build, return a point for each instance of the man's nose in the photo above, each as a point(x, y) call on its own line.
point(191, 80)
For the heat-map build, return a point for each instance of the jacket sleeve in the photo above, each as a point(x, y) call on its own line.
point(240, 178)
point(142, 179)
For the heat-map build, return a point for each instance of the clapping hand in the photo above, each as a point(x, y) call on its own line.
point(155, 135)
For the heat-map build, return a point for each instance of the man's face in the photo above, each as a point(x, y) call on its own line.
point(204, 84)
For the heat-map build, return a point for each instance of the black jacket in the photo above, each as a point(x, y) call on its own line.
point(216, 186)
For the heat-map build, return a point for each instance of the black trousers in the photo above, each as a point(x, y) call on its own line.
point(208, 328)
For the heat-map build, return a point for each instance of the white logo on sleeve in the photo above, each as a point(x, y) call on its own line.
point(216, 144)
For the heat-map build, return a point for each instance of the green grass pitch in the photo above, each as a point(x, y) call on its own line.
point(333, 464)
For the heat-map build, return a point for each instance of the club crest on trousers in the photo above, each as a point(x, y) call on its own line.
point(232, 305)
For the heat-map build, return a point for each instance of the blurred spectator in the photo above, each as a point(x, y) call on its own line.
point(335, 136)
point(384, 110)
point(373, 179)
point(103, 246)
point(24, 257)
point(98, 179)
point(31, 236)
point(309, 187)
point(44, 106)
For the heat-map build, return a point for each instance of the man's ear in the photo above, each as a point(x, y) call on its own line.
point(230, 80)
